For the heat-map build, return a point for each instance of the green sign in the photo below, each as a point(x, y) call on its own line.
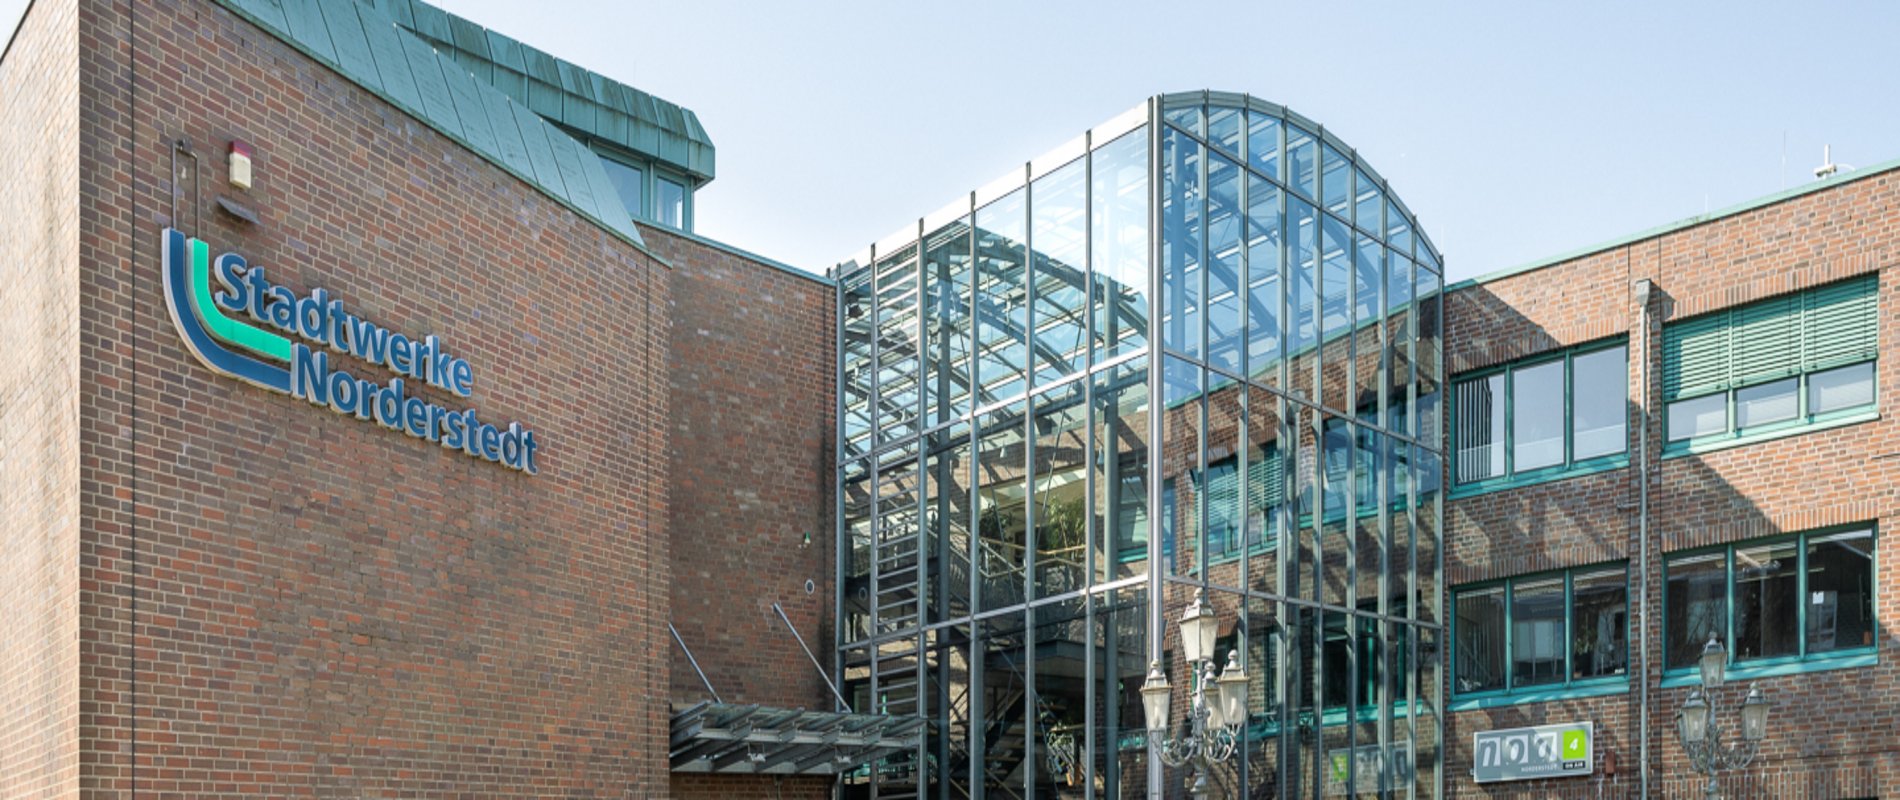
point(1546, 751)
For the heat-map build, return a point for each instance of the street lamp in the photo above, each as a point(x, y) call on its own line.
point(1218, 707)
point(1701, 734)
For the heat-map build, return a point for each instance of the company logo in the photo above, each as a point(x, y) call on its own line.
point(262, 352)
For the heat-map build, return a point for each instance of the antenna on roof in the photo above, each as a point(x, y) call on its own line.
point(1828, 168)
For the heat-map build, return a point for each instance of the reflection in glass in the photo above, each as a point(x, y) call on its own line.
point(949, 329)
point(1058, 205)
point(1061, 510)
point(1266, 223)
point(1224, 217)
point(1002, 307)
point(1537, 416)
point(1767, 600)
point(1118, 221)
point(671, 203)
point(1836, 389)
point(1840, 591)
point(1181, 243)
point(1120, 645)
point(1059, 732)
point(1537, 632)
point(1695, 602)
point(629, 183)
point(1766, 403)
point(1480, 630)
point(1599, 392)
point(1698, 416)
point(1000, 553)
point(1599, 642)
point(1121, 470)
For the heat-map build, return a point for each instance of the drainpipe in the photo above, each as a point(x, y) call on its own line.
point(1643, 290)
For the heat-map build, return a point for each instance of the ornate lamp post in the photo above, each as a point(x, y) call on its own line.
point(1701, 734)
point(1219, 704)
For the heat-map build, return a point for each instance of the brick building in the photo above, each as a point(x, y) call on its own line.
point(380, 427)
point(227, 572)
point(1743, 357)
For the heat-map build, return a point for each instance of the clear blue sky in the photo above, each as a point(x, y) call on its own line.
point(1515, 131)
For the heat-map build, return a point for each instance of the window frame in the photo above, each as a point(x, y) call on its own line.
point(1804, 420)
point(651, 173)
point(1570, 466)
point(1864, 655)
point(1570, 686)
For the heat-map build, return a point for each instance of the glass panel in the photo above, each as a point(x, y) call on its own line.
point(1224, 217)
point(856, 489)
point(1537, 416)
point(1302, 154)
point(1000, 693)
point(1537, 632)
point(895, 570)
point(1430, 367)
point(1181, 468)
point(1002, 308)
point(1599, 619)
point(1269, 515)
point(1000, 490)
point(1181, 242)
point(1767, 600)
point(1120, 644)
point(1599, 403)
point(671, 203)
point(1837, 389)
point(1061, 511)
point(1055, 750)
point(1261, 654)
point(1118, 223)
point(628, 182)
point(1371, 206)
point(1335, 181)
point(1769, 402)
point(856, 380)
point(896, 691)
point(948, 708)
point(947, 524)
point(1336, 542)
point(1480, 428)
point(1368, 280)
point(1303, 297)
point(1266, 222)
point(897, 336)
point(1223, 129)
point(1699, 416)
point(1695, 600)
point(1058, 204)
point(1480, 628)
point(1840, 591)
point(1263, 143)
point(947, 325)
point(1121, 470)
point(1336, 278)
point(1224, 484)
point(1189, 117)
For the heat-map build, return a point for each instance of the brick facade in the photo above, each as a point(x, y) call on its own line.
point(1830, 733)
point(213, 590)
point(39, 408)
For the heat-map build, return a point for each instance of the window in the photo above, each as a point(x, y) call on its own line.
point(1543, 417)
point(1782, 600)
point(1550, 631)
point(670, 203)
point(1775, 365)
point(628, 181)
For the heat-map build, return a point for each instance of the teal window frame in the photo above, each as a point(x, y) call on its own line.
point(1733, 324)
point(1571, 466)
point(650, 176)
point(1571, 687)
point(1803, 661)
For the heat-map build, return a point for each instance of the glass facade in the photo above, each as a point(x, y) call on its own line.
point(1021, 523)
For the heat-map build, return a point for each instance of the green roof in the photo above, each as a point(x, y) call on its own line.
point(563, 92)
point(362, 44)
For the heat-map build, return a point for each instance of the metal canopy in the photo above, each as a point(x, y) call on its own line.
point(748, 739)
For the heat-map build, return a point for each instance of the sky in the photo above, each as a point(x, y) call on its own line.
point(1515, 131)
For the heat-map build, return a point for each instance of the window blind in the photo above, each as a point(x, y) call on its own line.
point(1771, 339)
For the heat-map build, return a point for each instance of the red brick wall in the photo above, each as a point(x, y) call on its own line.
point(39, 406)
point(750, 371)
point(1827, 739)
point(280, 601)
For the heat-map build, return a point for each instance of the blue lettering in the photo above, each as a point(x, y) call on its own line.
point(399, 353)
point(389, 405)
point(343, 393)
point(464, 379)
point(283, 309)
point(490, 442)
point(454, 430)
point(339, 326)
point(236, 294)
point(308, 375)
point(527, 453)
point(259, 294)
point(311, 316)
point(415, 417)
point(367, 341)
point(366, 398)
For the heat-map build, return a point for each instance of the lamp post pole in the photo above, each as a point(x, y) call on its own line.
point(1217, 708)
point(1700, 731)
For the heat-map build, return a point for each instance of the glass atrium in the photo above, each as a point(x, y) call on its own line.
point(1019, 536)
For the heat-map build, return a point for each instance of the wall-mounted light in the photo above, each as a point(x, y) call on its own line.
point(240, 164)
